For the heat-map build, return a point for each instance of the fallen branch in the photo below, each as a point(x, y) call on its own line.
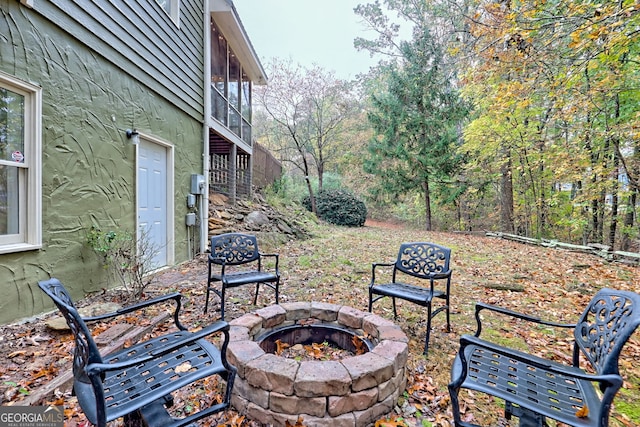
point(597, 249)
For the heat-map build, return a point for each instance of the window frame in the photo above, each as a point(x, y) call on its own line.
point(31, 219)
point(173, 10)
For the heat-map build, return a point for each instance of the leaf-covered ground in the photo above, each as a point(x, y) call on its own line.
point(335, 266)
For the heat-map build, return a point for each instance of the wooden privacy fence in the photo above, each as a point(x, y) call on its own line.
point(266, 168)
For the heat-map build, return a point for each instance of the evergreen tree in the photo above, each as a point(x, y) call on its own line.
point(416, 123)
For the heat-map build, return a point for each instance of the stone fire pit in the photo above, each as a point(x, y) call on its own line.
point(354, 391)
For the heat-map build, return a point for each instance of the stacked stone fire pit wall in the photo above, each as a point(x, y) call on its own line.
point(354, 391)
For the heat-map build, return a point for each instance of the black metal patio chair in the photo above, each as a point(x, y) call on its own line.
point(535, 388)
point(236, 260)
point(136, 383)
point(426, 262)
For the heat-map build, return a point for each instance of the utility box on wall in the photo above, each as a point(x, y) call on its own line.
point(191, 201)
point(197, 184)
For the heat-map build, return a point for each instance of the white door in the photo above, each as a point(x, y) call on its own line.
point(152, 202)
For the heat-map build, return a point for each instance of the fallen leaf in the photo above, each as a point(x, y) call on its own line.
point(582, 412)
point(390, 423)
point(44, 372)
point(184, 367)
point(358, 343)
point(280, 346)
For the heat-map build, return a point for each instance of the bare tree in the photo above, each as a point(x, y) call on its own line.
point(308, 108)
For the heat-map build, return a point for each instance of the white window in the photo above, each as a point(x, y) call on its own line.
point(172, 7)
point(20, 164)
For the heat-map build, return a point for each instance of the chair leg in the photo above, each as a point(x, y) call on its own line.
point(526, 417)
point(448, 315)
point(278, 291)
point(222, 296)
point(134, 419)
point(255, 297)
point(370, 300)
point(154, 414)
point(230, 379)
point(206, 301)
point(395, 313)
point(455, 406)
point(426, 341)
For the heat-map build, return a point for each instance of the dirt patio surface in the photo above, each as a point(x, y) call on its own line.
point(334, 266)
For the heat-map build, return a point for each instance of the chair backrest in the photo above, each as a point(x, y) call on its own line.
point(421, 259)
point(86, 350)
point(234, 248)
point(605, 326)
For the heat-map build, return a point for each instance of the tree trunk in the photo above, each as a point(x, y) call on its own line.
point(595, 223)
point(630, 216)
point(614, 190)
point(614, 205)
point(312, 198)
point(597, 203)
point(584, 213)
point(427, 204)
point(506, 197)
point(629, 220)
point(542, 202)
point(320, 169)
point(595, 206)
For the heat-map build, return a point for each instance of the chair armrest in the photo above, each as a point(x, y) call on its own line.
point(219, 326)
point(217, 259)
point(221, 262)
point(373, 270)
point(176, 296)
point(483, 306)
point(608, 380)
point(272, 255)
point(441, 275)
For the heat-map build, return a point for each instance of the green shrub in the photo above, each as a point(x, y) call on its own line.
point(339, 207)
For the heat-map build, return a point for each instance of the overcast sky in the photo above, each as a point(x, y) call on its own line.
point(307, 31)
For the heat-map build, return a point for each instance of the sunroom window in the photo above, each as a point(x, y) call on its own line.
point(20, 146)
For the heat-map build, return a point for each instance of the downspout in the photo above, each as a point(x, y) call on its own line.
point(204, 208)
